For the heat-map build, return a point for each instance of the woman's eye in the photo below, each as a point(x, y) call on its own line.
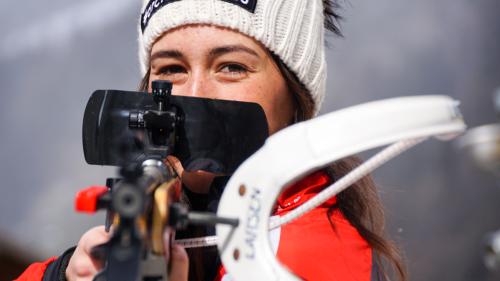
point(174, 73)
point(172, 69)
point(233, 69)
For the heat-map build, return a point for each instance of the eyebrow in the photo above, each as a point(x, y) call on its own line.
point(218, 51)
point(175, 54)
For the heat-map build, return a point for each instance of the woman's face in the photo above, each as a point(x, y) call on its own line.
point(218, 63)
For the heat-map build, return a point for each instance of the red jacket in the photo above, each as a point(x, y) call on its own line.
point(35, 271)
point(312, 246)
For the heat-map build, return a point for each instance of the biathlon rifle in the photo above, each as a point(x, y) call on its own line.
point(136, 132)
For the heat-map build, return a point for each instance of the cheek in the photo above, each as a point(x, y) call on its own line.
point(274, 97)
point(279, 109)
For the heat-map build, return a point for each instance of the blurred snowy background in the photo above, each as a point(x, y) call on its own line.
point(54, 54)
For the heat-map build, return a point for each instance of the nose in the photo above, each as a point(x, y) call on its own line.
point(198, 85)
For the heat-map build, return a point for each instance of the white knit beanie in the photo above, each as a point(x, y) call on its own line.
point(291, 29)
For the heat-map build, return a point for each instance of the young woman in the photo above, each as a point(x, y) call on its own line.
point(270, 52)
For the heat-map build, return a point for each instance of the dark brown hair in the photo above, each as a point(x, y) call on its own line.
point(332, 16)
point(360, 203)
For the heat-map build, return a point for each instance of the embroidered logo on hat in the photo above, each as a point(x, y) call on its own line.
point(248, 5)
point(151, 8)
point(154, 5)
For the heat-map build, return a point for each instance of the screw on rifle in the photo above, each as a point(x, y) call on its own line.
point(236, 254)
point(242, 190)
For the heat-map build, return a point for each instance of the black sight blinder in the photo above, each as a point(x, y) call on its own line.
point(204, 134)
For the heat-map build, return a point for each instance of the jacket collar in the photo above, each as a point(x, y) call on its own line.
point(301, 191)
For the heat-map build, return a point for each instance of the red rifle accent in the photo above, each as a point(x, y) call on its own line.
point(86, 200)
